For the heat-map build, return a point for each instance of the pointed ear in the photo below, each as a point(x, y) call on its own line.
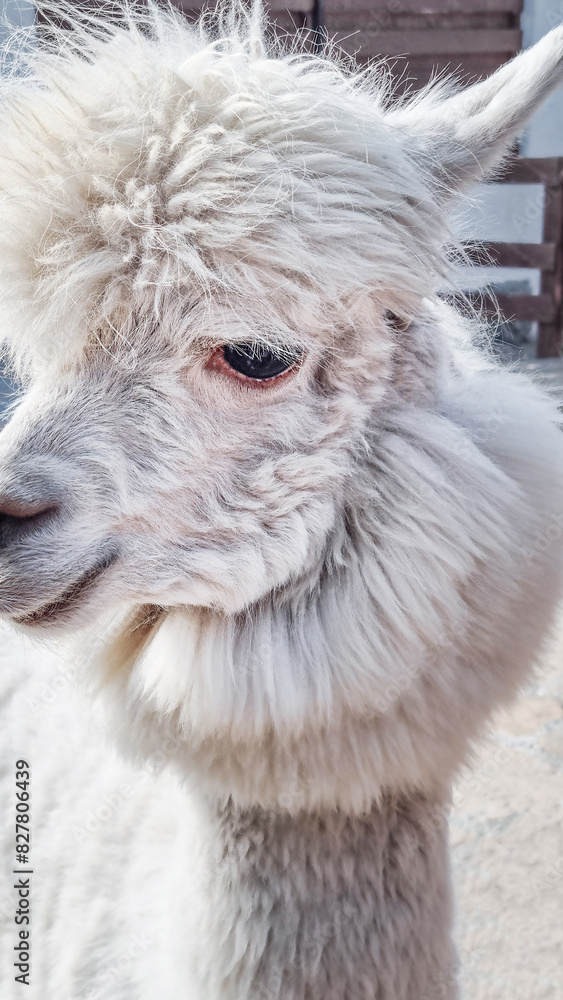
point(463, 136)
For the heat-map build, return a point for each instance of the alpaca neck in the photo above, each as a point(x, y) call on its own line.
point(326, 906)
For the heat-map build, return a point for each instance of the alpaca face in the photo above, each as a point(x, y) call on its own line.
point(209, 476)
point(153, 460)
point(142, 476)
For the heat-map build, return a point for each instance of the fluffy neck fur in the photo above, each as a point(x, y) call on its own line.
point(325, 905)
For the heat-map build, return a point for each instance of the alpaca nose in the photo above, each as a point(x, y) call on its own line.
point(19, 518)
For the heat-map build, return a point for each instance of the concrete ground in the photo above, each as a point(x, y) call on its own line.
point(507, 837)
point(507, 840)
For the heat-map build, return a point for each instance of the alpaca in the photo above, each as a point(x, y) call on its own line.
point(268, 514)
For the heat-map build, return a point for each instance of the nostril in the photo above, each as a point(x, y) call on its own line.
point(18, 517)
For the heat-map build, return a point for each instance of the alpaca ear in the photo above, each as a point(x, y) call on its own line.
point(464, 136)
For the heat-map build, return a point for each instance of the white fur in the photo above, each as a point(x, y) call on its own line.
point(316, 592)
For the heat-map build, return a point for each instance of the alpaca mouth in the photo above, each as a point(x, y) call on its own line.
point(72, 596)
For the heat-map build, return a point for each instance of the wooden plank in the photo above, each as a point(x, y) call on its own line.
point(412, 73)
point(111, 10)
point(549, 333)
point(548, 344)
point(375, 22)
point(553, 207)
point(292, 13)
point(527, 308)
point(284, 21)
point(300, 6)
point(463, 67)
point(423, 6)
point(433, 42)
point(536, 255)
point(531, 170)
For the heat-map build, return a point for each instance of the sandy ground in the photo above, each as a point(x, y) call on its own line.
point(507, 839)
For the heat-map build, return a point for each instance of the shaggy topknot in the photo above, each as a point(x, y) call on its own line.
point(150, 163)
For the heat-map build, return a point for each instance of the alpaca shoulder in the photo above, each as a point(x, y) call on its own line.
point(517, 425)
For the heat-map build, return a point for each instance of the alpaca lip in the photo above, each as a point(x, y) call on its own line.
point(71, 596)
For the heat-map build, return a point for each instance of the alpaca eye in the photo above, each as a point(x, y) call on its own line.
point(258, 362)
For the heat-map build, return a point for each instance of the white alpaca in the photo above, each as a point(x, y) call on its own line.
point(283, 509)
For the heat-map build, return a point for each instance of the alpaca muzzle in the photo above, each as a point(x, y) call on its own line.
point(42, 577)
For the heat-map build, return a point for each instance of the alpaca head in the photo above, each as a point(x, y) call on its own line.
point(217, 269)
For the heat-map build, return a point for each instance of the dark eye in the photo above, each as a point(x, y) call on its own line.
point(258, 362)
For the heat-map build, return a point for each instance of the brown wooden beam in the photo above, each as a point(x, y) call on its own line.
point(299, 6)
point(527, 308)
point(411, 73)
point(393, 7)
point(531, 170)
point(549, 331)
point(433, 42)
point(540, 256)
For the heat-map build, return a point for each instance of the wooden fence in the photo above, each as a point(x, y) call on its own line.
point(420, 38)
point(546, 257)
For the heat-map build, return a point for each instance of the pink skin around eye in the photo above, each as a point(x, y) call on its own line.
point(218, 364)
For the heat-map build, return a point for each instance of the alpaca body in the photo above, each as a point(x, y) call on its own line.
point(281, 519)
